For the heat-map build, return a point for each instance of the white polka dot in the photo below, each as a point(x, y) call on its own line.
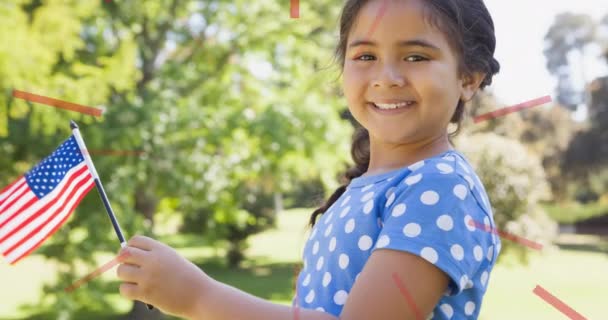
point(445, 168)
point(478, 253)
point(383, 241)
point(365, 242)
point(449, 158)
point(457, 252)
point(490, 255)
point(487, 225)
point(332, 244)
point(340, 297)
point(445, 222)
point(484, 278)
point(412, 230)
point(416, 165)
point(463, 281)
point(314, 232)
point(367, 196)
point(306, 280)
point(345, 201)
point(399, 210)
point(328, 230)
point(447, 310)
point(429, 254)
point(468, 222)
point(368, 206)
point(315, 248)
point(349, 226)
point(310, 296)
point(320, 263)
point(367, 187)
point(390, 195)
point(469, 284)
point(320, 309)
point(343, 261)
point(469, 308)
point(429, 197)
point(470, 181)
point(326, 279)
point(460, 191)
point(413, 179)
point(344, 212)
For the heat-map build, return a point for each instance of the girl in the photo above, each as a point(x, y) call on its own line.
point(398, 241)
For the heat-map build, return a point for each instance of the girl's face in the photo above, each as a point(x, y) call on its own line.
point(402, 84)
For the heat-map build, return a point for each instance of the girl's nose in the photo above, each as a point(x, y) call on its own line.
point(388, 77)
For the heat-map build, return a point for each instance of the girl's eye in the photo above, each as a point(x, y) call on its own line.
point(415, 58)
point(369, 57)
point(412, 58)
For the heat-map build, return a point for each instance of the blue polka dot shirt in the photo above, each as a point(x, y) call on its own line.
point(432, 209)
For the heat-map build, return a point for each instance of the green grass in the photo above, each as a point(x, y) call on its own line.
point(574, 271)
point(572, 212)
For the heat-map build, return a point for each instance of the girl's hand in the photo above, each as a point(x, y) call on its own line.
point(154, 273)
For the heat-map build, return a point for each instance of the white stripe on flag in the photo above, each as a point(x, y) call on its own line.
point(12, 188)
point(12, 197)
point(44, 232)
point(17, 206)
point(24, 231)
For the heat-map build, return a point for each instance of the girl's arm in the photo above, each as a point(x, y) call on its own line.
point(226, 302)
point(154, 273)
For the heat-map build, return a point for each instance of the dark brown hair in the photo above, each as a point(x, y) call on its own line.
point(469, 28)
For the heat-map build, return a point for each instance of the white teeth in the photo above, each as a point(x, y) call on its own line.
point(388, 106)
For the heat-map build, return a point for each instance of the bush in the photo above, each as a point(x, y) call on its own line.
point(515, 182)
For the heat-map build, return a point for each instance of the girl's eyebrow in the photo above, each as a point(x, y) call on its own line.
point(405, 43)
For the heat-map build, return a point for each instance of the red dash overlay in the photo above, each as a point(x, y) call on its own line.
point(377, 19)
point(515, 108)
point(407, 295)
point(528, 243)
point(294, 9)
point(57, 103)
point(296, 309)
point(557, 304)
point(97, 272)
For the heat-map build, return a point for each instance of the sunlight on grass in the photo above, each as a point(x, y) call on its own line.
point(576, 273)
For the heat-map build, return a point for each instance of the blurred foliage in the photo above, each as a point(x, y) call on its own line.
point(515, 182)
point(571, 40)
point(231, 103)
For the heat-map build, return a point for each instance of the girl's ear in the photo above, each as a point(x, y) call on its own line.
point(470, 85)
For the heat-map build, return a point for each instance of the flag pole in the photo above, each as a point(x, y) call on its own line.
point(100, 189)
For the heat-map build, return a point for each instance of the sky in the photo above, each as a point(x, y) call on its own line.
point(521, 26)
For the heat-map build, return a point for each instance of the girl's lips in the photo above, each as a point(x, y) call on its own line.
point(392, 111)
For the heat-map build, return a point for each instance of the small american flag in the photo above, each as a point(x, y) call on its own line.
point(35, 206)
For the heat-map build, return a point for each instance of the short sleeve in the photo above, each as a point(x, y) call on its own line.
point(428, 214)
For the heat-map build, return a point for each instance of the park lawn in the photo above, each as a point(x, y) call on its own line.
point(576, 274)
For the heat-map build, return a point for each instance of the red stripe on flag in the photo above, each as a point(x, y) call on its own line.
point(44, 209)
point(21, 180)
point(35, 246)
point(24, 190)
point(557, 303)
point(16, 213)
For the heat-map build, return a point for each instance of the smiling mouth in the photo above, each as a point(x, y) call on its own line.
point(393, 106)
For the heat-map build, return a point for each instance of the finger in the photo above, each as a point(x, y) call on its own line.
point(130, 291)
point(141, 242)
point(129, 273)
point(133, 255)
